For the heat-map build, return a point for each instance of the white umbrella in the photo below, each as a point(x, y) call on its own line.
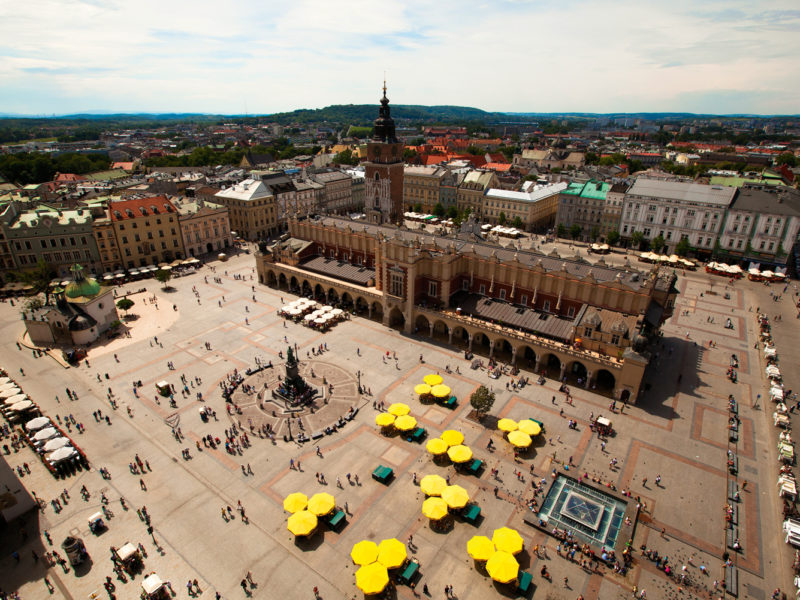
point(37, 423)
point(46, 434)
point(108, 278)
point(5, 380)
point(61, 454)
point(295, 312)
point(21, 406)
point(7, 384)
point(320, 321)
point(337, 311)
point(8, 392)
point(55, 444)
point(16, 398)
point(309, 317)
point(326, 308)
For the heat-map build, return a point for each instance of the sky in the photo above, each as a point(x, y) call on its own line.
point(260, 57)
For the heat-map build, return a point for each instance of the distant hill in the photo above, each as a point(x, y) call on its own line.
point(364, 114)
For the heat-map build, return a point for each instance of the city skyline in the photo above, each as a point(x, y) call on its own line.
point(512, 56)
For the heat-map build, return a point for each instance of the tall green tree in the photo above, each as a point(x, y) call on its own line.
point(637, 237)
point(683, 247)
point(163, 276)
point(502, 219)
point(657, 244)
point(613, 237)
point(482, 400)
point(575, 231)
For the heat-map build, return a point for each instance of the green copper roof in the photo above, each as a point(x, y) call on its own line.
point(80, 285)
point(596, 190)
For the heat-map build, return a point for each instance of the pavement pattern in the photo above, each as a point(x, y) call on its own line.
point(207, 327)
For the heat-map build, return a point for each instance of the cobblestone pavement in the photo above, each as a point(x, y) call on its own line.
point(678, 431)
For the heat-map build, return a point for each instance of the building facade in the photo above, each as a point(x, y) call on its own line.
point(587, 323)
point(383, 170)
point(205, 226)
point(60, 237)
point(251, 209)
point(535, 209)
point(106, 240)
point(472, 191)
point(337, 192)
point(612, 209)
point(583, 204)
point(761, 225)
point(422, 185)
point(676, 210)
point(147, 231)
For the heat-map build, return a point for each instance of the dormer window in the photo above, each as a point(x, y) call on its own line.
point(143, 210)
point(154, 209)
point(129, 212)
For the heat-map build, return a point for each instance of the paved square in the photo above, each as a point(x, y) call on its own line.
point(678, 430)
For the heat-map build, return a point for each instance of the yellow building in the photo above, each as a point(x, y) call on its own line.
point(421, 185)
point(471, 192)
point(251, 209)
point(147, 231)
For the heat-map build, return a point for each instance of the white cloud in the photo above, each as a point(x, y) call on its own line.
point(516, 55)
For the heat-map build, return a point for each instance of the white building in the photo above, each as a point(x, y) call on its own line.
point(762, 224)
point(675, 210)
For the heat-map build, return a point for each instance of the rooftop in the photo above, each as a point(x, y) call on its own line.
point(340, 270)
point(768, 199)
point(683, 192)
point(139, 207)
point(249, 190)
point(535, 194)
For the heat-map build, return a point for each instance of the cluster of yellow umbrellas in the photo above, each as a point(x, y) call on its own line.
point(397, 416)
point(303, 520)
point(451, 442)
point(432, 386)
point(374, 561)
point(441, 497)
point(520, 434)
point(498, 553)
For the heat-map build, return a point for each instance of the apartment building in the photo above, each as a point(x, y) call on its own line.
point(147, 231)
point(251, 209)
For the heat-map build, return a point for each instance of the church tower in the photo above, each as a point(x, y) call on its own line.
point(383, 192)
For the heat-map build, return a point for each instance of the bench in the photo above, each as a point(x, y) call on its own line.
point(734, 514)
point(475, 466)
point(352, 415)
point(731, 533)
point(734, 408)
point(733, 436)
point(524, 584)
point(317, 434)
point(408, 573)
point(417, 435)
point(336, 521)
point(471, 514)
point(732, 581)
point(732, 489)
point(383, 474)
point(733, 468)
point(451, 402)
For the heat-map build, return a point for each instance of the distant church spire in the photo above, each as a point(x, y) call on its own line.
point(384, 124)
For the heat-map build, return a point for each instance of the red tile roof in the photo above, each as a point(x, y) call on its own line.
point(501, 167)
point(140, 207)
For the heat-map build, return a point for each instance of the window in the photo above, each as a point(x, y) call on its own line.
point(523, 300)
point(739, 245)
point(587, 332)
point(433, 288)
point(127, 251)
point(615, 339)
point(43, 243)
point(771, 246)
point(397, 284)
point(502, 294)
point(136, 237)
point(124, 239)
point(464, 284)
point(546, 306)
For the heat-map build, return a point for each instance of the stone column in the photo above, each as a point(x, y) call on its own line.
point(589, 376)
point(538, 360)
point(563, 370)
point(369, 309)
point(411, 276)
point(471, 337)
point(514, 356)
point(491, 348)
point(450, 335)
point(431, 330)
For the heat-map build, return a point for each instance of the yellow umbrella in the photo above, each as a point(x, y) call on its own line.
point(405, 423)
point(507, 425)
point(459, 454)
point(384, 419)
point(508, 540)
point(452, 437)
point(398, 409)
point(392, 553)
point(436, 446)
point(502, 567)
point(440, 391)
point(455, 496)
point(434, 508)
point(432, 485)
point(372, 579)
point(421, 389)
point(302, 523)
point(519, 439)
point(295, 502)
point(432, 379)
point(321, 504)
point(480, 547)
point(529, 427)
point(364, 552)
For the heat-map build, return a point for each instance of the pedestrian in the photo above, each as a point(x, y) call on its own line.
point(244, 585)
point(142, 484)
